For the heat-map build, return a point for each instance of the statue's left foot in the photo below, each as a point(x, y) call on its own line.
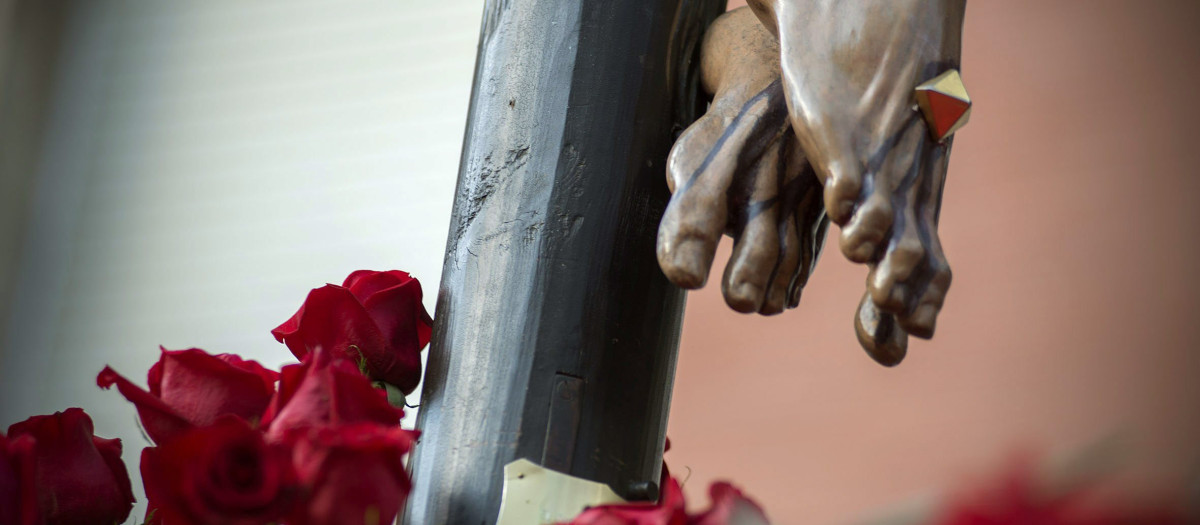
point(737, 170)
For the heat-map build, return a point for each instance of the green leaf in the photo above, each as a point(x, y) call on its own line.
point(395, 397)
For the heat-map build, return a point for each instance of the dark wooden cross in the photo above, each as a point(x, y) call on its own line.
point(556, 332)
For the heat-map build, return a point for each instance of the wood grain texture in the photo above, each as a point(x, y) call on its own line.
point(550, 268)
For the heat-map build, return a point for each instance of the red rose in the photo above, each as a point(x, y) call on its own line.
point(668, 511)
point(729, 506)
point(222, 474)
point(354, 473)
point(193, 388)
point(18, 490)
point(325, 390)
point(78, 478)
point(375, 317)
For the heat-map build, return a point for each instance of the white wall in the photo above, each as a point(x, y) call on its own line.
point(208, 162)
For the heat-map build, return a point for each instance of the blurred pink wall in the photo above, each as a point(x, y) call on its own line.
point(1072, 221)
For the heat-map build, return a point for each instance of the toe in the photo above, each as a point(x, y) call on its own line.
point(843, 185)
point(743, 293)
point(879, 334)
point(888, 282)
point(781, 279)
point(688, 235)
point(700, 170)
point(921, 321)
point(799, 198)
point(756, 250)
point(688, 263)
point(862, 237)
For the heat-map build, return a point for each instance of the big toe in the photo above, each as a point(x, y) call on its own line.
point(879, 334)
point(843, 187)
point(686, 260)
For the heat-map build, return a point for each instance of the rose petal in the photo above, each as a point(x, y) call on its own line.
point(201, 387)
point(290, 379)
point(729, 507)
point(159, 420)
point(365, 283)
point(267, 376)
point(287, 331)
point(668, 511)
point(326, 390)
point(354, 473)
point(333, 319)
point(18, 486)
point(110, 451)
point(400, 316)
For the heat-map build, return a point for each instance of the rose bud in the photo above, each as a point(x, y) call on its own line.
point(77, 478)
point(374, 317)
point(222, 474)
point(18, 490)
point(193, 388)
point(325, 390)
point(353, 473)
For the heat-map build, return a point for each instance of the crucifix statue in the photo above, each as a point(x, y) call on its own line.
point(559, 311)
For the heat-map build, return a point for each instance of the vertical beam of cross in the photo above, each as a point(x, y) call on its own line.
point(556, 333)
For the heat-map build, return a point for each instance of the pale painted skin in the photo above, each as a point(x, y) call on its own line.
point(846, 71)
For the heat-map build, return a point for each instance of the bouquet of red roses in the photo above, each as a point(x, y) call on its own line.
point(317, 443)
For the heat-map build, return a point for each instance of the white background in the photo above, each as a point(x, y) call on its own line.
point(207, 163)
